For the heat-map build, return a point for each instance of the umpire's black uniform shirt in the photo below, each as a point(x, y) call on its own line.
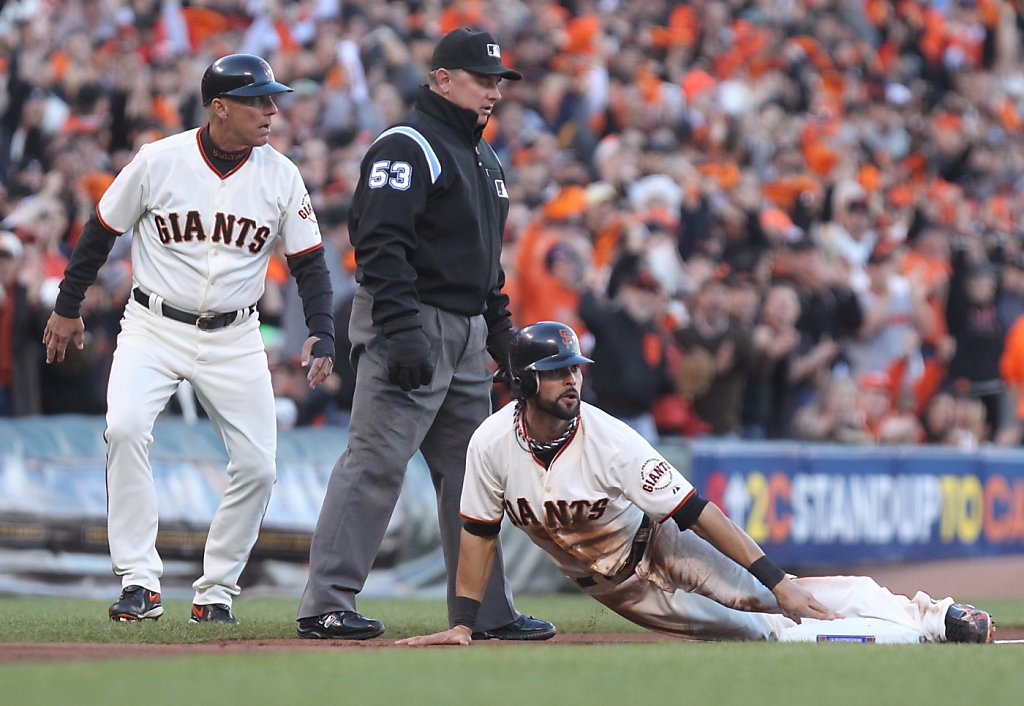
point(427, 221)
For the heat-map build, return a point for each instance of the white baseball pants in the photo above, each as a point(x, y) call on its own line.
point(228, 369)
point(686, 587)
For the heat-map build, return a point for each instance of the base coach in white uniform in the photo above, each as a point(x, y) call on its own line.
point(621, 522)
point(207, 206)
point(426, 222)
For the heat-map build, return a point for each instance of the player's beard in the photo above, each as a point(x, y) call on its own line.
point(563, 411)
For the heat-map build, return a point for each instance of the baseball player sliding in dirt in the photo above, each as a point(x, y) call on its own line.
point(207, 207)
point(632, 532)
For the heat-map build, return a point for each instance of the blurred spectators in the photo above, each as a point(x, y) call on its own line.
point(834, 416)
point(724, 342)
point(953, 419)
point(770, 400)
point(879, 404)
point(630, 372)
point(20, 319)
point(896, 316)
point(749, 150)
point(975, 326)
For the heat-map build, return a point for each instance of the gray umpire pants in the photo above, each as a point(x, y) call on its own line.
point(387, 426)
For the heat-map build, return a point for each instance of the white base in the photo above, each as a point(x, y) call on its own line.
point(863, 630)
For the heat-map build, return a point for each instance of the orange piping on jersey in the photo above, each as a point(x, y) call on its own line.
point(99, 217)
point(676, 508)
point(213, 169)
point(303, 252)
point(569, 440)
point(483, 522)
point(521, 424)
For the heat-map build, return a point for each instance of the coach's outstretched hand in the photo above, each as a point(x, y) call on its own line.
point(458, 635)
point(797, 602)
point(61, 330)
point(323, 363)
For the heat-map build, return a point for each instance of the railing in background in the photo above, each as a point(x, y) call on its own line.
point(806, 504)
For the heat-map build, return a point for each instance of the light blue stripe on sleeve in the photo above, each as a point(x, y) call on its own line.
point(428, 151)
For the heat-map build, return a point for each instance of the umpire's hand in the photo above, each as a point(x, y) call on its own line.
point(409, 363)
point(499, 345)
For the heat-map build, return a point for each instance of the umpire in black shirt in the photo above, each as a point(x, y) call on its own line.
point(426, 222)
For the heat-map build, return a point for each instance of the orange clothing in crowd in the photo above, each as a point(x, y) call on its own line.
point(929, 272)
point(1011, 365)
point(541, 297)
point(606, 243)
point(923, 388)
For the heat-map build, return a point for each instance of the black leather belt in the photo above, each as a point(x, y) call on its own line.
point(205, 322)
point(636, 553)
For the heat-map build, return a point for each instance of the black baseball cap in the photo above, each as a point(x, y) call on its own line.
point(473, 50)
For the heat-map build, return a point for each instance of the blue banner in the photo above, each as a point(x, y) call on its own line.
point(815, 504)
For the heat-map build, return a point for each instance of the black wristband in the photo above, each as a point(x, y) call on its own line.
point(767, 572)
point(465, 612)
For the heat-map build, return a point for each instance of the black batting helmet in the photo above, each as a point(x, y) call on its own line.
point(240, 75)
point(545, 345)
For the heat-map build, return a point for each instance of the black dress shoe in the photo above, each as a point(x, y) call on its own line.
point(524, 627)
point(339, 625)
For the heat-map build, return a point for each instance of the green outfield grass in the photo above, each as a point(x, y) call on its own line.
point(670, 672)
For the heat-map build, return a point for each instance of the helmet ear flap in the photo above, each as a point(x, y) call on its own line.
point(524, 384)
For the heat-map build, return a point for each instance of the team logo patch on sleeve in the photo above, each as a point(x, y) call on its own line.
point(655, 475)
point(499, 186)
point(306, 209)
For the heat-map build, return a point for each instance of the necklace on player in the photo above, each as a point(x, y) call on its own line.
point(539, 447)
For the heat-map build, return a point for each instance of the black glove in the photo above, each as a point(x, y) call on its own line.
point(323, 348)
point(499, 345)
point(409, 363)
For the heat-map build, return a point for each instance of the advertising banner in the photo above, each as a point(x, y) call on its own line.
point(816, 504)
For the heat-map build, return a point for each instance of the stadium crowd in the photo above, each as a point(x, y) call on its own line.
point(767, 218)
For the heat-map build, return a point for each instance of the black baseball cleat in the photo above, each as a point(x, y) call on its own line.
point(212, 613)
point(339, 625)
point(965, 623)
point(136, 603)
point(525, 627)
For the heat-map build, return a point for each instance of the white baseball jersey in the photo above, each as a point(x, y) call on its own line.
point(203, 242)
point(583, 510)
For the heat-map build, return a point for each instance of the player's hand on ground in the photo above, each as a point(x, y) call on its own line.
point(59, 331)
point(797, 602)
point(322, 367)
point(458, 635)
